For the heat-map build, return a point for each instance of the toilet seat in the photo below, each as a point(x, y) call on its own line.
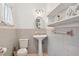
point(22, 52)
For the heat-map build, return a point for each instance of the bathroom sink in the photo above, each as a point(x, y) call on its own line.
point(39, 36)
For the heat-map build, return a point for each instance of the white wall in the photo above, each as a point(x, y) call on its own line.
point(50, 7)
point(24, 14)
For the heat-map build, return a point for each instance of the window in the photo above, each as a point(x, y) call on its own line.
point(7, 14)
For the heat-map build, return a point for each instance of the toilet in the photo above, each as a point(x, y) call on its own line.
point(23, 47)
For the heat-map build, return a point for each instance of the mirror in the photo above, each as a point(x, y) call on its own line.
point(39, 23)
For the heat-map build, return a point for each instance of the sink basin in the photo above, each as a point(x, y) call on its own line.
point(39, 36)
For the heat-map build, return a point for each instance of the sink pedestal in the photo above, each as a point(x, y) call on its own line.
point(40, 52)
point(40, 38)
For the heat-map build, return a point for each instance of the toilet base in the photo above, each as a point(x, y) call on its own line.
point(22, 52)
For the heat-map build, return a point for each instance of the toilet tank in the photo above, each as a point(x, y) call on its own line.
point(23, 43)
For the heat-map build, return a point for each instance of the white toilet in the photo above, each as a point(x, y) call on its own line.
point(23, 47)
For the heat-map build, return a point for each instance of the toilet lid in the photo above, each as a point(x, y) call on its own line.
point(22, 50)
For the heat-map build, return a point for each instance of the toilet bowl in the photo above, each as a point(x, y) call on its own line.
point(23, 47)
point(22, 52)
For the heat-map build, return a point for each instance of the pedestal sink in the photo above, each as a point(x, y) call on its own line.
point(40, 38)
